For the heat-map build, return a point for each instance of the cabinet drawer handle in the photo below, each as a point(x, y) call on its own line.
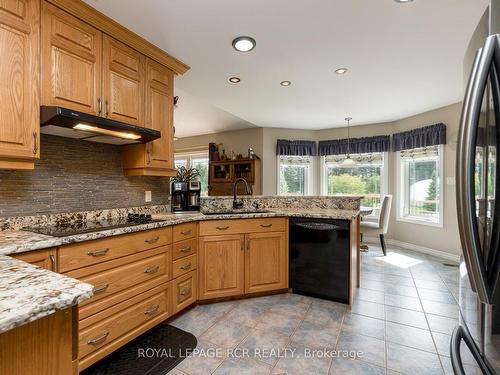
point(99, 339)
point(101, 288)
point(186, 267)
point(186, 250)
point(53, 262)
point(99, 105)
point(152, 270)
point(35, 143)
point(152, 240)
point(223, 228)
point(98, 253)
point(107, 108)
point(153, 310)
point(266, 225)
point(185, 291)
point(186, 232)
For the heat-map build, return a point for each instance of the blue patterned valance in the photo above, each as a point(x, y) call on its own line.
point(296, 148)
point(363, 145)
point(422, 137)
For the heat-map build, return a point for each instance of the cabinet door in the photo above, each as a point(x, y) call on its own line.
point(159, 112)
point(221, 266)
point(266, 262)
point(71, 62)
point(19, 77)
point(123, 82)
point(42, 258)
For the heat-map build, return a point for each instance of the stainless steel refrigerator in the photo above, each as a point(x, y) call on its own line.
point(479, 218)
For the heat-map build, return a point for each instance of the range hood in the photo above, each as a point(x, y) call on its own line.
point(68, 123)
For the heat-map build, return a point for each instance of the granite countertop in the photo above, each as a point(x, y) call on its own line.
point(28, 293)
point(14, 242)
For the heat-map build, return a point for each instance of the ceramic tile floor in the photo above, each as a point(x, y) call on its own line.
point(401, 321)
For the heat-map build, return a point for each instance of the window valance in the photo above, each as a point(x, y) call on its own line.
point(365, 145)
point(296, 148)
point(422, 137)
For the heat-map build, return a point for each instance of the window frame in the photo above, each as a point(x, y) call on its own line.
point(384, 178)
point(189, 156)
point(402, 194)
point(309, 186)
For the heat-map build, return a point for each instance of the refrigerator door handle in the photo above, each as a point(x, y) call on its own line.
point(461, 334)
point(467, 220)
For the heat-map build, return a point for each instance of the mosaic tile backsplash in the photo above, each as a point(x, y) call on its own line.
point(74, 175)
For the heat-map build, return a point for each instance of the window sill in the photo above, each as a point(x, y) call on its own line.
point(413, 220)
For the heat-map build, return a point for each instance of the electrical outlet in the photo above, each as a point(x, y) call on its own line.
point(148, 196)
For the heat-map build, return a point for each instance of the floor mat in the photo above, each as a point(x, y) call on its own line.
point(154, 353)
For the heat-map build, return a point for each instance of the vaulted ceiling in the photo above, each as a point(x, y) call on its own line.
point(403, 59)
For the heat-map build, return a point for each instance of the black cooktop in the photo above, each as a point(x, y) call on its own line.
point(84, 226)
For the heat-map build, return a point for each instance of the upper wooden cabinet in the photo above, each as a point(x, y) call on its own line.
point(71, 62)
point(123, 82)
point(19, 74)
point(155, 158)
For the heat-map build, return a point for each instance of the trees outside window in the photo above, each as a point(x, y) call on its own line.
point(294, 175)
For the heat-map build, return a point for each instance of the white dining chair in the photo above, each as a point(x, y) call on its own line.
point(379, 225)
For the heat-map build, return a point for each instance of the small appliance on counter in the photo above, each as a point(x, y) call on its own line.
point(194, 192)
point(179, 191)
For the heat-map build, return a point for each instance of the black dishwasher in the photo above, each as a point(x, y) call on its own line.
point(319, 258)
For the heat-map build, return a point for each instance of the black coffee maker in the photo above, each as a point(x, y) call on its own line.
point(179, 192)
point(194, 191)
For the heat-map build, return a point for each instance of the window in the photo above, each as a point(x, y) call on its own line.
point(294, 175)
point(198, 160)
point(420, 185)
point(365, 177)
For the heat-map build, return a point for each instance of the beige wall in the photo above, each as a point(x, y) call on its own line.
point(263, 140)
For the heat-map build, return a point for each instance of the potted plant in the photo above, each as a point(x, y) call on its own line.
point(186, 174)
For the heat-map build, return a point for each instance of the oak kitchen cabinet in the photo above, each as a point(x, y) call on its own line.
point(65, 53)
point(252, 257)
point(19, 74)
point(154, 158)
point(46, 258)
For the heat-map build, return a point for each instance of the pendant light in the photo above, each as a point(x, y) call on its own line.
point(348, 160)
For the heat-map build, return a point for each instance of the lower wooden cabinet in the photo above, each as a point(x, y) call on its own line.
point(266, 262)
point(221, 265)
point(46, 258)
point(184, 291)
point(237, 264)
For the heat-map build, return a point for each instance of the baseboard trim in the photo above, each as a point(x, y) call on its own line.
point(413, 247)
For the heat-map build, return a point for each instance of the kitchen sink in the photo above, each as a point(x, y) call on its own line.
point(237, 212)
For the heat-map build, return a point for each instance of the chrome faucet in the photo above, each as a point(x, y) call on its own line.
point(248, 189)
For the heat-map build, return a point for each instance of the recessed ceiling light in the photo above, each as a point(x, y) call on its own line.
point(285, 83)
point(341, 71)
point(403, 1)
point(234, 80)
point(244, 43)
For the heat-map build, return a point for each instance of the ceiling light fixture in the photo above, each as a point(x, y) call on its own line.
point(114, 133)
point(285, 83)
point(341, 71)
point(234, 80)
point(348, 160)
point(244, 44)
point(403, 1)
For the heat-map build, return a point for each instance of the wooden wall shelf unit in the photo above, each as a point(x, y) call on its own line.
point(223, 173)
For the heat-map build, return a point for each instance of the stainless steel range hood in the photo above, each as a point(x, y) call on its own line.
point(68, 123)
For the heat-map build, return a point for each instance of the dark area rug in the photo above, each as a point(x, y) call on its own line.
point(154, 353)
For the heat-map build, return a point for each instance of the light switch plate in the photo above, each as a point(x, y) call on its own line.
point(450, 181)
point(148, 196)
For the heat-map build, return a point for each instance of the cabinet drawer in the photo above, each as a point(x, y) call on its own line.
point(104, 332)
point(184, 231)
point(92, 252)
point(184, 248)
point(184, 265)
point(184, 291)
point(234, 226)
point(119, 279)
